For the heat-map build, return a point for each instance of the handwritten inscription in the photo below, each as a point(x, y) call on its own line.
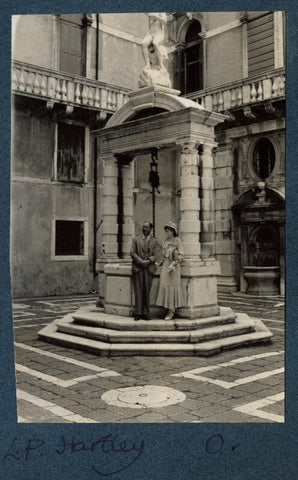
point(108, 444)
point(110, 454)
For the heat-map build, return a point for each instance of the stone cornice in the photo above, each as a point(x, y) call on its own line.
point(162, 98)
point(163, 130)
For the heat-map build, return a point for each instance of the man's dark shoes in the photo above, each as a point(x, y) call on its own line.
point(145, 317)
point(137, 317)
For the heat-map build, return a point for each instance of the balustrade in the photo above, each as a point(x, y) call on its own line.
point(235, 94)
point(63, 88)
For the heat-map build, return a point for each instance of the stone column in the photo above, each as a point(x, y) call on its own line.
point(198, 276)
point(125, 230)
point(207, 201)
point(109, 244)
point(117, 234)
point(109, 208)
point(189, 230)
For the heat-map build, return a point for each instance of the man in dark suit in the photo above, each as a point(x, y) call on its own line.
point(144, 252)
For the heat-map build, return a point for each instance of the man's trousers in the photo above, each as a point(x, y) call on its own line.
point(142, 281)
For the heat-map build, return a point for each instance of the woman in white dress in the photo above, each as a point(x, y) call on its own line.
point(170, 292)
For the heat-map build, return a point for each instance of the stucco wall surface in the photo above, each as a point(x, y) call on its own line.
point(33, 39)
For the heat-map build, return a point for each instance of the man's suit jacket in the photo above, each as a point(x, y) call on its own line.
point(138, 253)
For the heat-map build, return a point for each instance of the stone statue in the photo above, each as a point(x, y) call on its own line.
point(155, 53)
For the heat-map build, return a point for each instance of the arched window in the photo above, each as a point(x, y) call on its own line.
point(263, 158)
point(188, 61)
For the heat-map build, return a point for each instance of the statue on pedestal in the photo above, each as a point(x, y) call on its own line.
point(155, 53)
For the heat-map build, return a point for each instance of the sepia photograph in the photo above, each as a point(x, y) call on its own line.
point(147, 234)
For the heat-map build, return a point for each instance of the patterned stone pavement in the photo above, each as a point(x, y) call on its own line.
point(60, 385)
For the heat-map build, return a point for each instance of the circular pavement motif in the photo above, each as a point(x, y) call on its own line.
point(143, 397)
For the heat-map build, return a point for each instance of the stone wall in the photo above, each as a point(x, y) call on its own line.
point(30, 31)
point(36, 201)
point(234, 176)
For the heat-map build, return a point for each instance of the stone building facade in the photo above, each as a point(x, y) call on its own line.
point(82, 72)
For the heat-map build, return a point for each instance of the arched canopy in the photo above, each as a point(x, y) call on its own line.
point(153, 97)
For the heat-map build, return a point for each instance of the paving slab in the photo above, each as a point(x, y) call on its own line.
point(203, 399)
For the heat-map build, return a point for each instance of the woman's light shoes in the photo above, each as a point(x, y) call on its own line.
point(170, 315)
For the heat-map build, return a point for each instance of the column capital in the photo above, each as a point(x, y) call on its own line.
point(207, 147)
point(188, 146)
point(108, 159)
point(123, 158)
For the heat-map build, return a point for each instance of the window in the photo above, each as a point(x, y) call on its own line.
point(72, 44)
point(70, 153)
point(188, 61)
point(263, 158)
point(69, 239)
point(260, 43)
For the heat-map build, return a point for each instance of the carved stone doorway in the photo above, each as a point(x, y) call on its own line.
point(260, 232)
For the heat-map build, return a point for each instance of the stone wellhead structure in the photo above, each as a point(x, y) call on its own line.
point(221, 148)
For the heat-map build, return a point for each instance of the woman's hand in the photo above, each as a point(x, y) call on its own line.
point(171, 268)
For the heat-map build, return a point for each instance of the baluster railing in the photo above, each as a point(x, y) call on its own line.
point(104, 103)
point(275, 87)
point(49, 84)
point(242, 92)
point(214, 102)
point(63, 91)
point(234, 97)
point(239, 96)
point(36, 85)
point(78, 93)
point(57, 89)
point(29, 83)
point(260, 91)
point(14, 80)
point(220, 101)
point(253, 93)
point(43, 86)
point(282, 85)
point(97, 98)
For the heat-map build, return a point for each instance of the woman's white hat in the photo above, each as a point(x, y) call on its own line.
point(173, 226)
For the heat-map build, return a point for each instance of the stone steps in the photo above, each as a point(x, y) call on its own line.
point(162, 349)
point(185, 336)
point(94, 319)
point(91, 330)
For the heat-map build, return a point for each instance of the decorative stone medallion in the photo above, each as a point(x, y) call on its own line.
point(148, 396)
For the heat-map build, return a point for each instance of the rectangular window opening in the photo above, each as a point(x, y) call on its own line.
point(69, 239)
point(70, 153)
